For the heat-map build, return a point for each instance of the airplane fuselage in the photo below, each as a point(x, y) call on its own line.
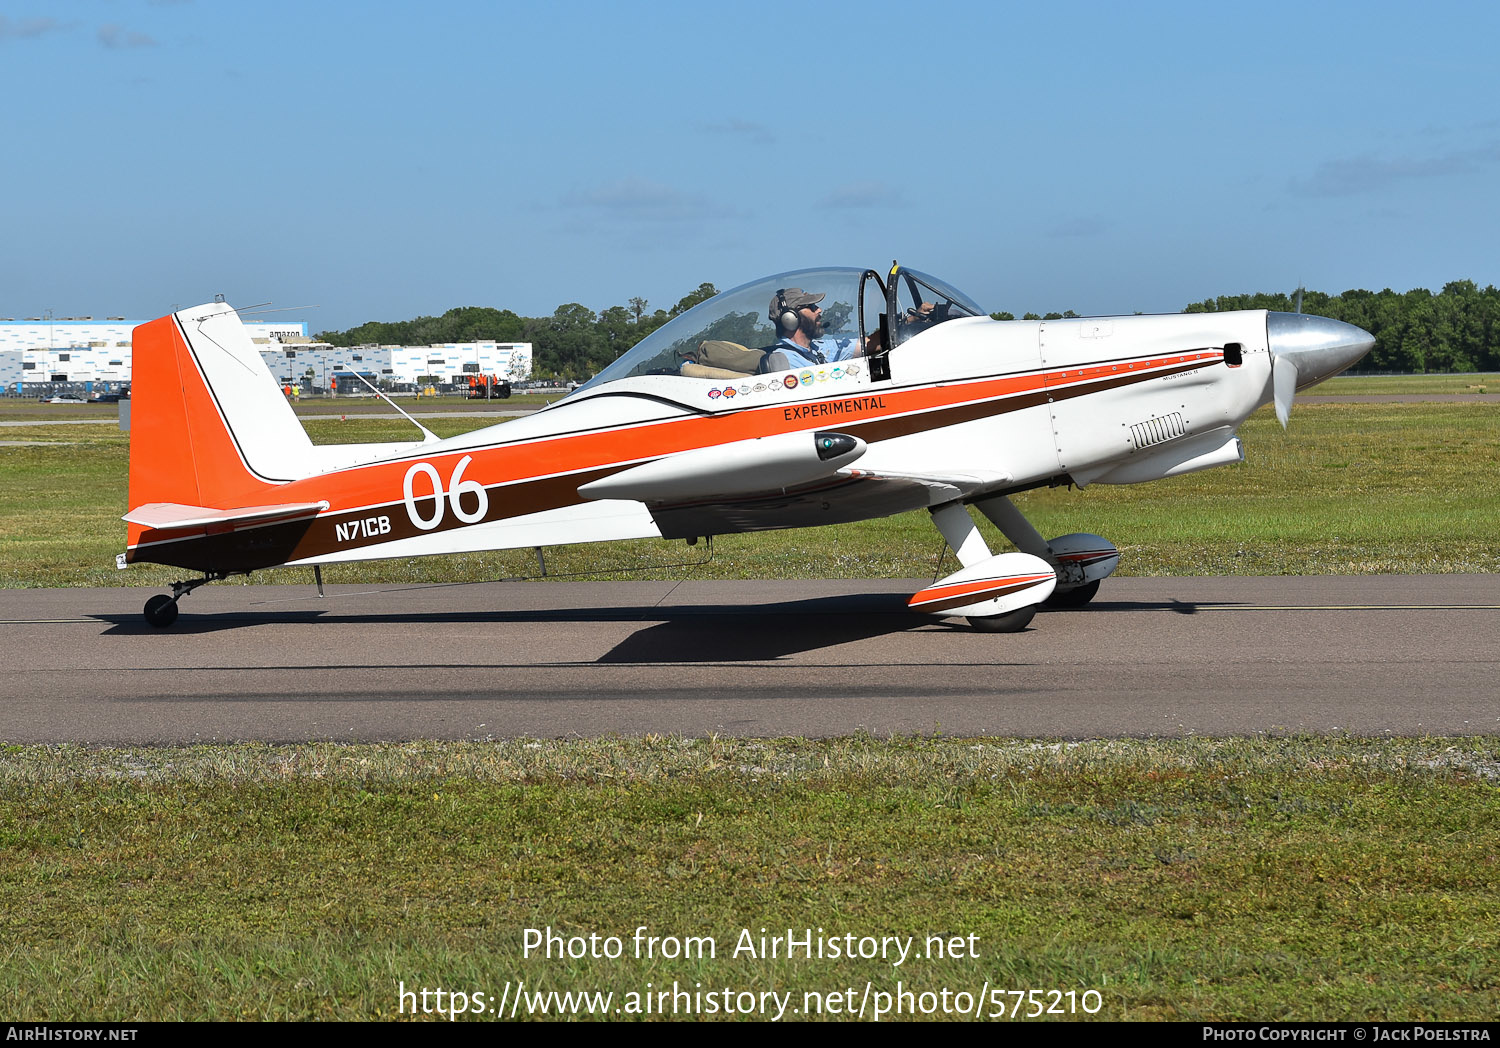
point(1007, 404)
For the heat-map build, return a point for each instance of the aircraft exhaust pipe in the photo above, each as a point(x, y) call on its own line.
point(1305, 350)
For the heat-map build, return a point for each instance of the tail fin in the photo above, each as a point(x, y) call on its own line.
point(209, 425)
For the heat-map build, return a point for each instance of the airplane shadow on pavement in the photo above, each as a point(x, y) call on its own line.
point(669, 634)
point(767, 633)
point(672, 633)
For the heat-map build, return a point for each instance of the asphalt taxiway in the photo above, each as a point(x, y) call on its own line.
point(1409, 655)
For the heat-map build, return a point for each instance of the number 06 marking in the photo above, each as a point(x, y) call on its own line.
point(457, 487)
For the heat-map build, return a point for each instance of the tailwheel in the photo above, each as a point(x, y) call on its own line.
point(161, 611)
point(1076, 597)
point(1010, 622)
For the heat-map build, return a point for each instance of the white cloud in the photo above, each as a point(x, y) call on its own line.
point(759, 134)
point(1368, 173)
point(859, 195)
point(117, 37)
point(641, 200)
point(1081, 226)
point(27, 28)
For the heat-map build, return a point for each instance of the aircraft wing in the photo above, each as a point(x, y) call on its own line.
point(793, 480)
point(848, 495)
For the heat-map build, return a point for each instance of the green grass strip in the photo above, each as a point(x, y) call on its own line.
point(1266, 878)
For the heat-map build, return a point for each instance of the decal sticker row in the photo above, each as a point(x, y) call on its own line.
point(791, 380)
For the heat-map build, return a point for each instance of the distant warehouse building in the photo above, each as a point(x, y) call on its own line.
point(316, 363)
point(80, 353)
point(84, 354)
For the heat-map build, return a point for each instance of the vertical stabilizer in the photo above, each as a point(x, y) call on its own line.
point(209, 424)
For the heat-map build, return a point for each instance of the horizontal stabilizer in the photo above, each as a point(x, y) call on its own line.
point(160, 515)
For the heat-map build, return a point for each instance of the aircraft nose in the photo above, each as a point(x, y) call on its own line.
point(1315, 347)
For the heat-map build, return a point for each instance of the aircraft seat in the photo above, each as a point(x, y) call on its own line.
point(715, 358)
point(692, 370)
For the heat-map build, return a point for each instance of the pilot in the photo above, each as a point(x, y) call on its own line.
point(799, 321)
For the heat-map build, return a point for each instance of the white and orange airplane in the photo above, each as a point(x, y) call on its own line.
point(820, 396)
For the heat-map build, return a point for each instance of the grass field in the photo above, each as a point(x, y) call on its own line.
point(1350, 488)
point(1409, 384)
point(1271, 878)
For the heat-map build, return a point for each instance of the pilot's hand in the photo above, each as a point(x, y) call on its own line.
point(920, 314)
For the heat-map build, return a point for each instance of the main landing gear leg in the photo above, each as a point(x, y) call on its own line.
point(1081, 561)
point(1014, 525)
point(161, 610)
point(964, 537)
point(967, 543)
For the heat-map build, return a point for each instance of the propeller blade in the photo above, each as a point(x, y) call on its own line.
point(1284, 378)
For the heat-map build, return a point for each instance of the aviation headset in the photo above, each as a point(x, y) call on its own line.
point(787, 319)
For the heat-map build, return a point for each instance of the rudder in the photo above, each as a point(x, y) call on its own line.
point(209, 425)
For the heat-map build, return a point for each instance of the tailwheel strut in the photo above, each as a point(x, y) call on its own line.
point(161, 610)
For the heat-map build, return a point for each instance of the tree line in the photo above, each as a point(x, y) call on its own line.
point(1456, 329)
point(573, 343)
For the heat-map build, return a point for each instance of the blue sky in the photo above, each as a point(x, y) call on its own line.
point(387, 160)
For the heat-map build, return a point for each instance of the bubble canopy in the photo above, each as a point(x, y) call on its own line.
point(741, 316)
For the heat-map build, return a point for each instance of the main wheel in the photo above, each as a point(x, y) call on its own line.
point(1010, 622)
point(161, 611)
point(1072, 598)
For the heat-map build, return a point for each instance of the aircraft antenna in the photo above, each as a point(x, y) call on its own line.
point(428, 436)
point(256, 310)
